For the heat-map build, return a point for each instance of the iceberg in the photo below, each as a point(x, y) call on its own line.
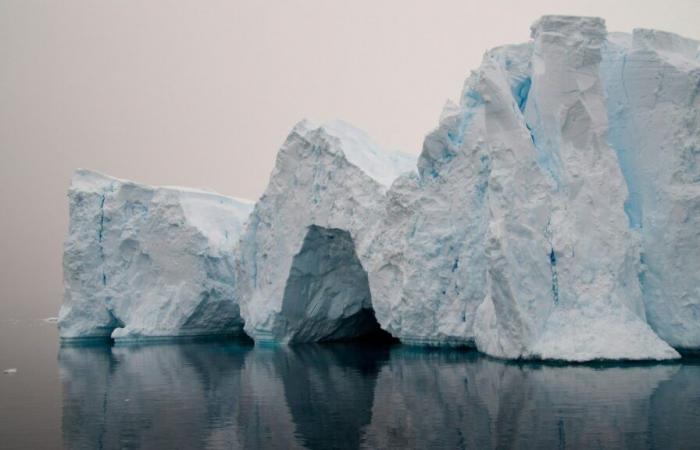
point(148, 262)
point(511, 235)
point(554, 213)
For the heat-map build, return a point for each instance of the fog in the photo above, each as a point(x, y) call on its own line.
point(202, 94)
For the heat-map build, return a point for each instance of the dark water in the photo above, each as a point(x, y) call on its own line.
point(235, 395)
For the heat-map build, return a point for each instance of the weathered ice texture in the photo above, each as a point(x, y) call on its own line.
point(652, 79)
point(142, 261)
point(301, 275)
point(512, 236)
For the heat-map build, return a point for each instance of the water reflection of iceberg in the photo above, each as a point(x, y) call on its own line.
point(223, 395)
point(232, 395)
point(149, 396)
point(444, 400)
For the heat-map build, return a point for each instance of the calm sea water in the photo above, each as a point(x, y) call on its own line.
point(235, 395)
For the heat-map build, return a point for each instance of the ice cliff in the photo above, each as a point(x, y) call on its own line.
point(143, 261)
point(554, 213)
point(652, 81)
point(513, 236)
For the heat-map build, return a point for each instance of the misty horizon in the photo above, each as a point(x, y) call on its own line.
point(204, 96)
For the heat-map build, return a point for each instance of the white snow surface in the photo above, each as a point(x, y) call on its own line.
point(145, 262)
point(383, 166)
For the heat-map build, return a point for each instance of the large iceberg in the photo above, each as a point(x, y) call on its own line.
point(512, 236)
point(147, 262)
point(554, 213)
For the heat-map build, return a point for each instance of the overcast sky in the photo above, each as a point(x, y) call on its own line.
point(202, 93)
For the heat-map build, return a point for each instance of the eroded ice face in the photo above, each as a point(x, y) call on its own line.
point(145, 262)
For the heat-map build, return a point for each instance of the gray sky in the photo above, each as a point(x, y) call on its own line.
point(202, 94)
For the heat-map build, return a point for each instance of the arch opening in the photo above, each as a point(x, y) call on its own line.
point(327, 296)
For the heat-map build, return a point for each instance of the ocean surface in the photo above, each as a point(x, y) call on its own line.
point(344, 395)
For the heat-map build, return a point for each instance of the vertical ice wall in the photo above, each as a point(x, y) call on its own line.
point(595, 253)
point(149, 262)
point(652, 81)
point(513, 235)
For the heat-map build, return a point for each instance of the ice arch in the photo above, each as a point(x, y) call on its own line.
point(328, 181)
point(327, 294)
